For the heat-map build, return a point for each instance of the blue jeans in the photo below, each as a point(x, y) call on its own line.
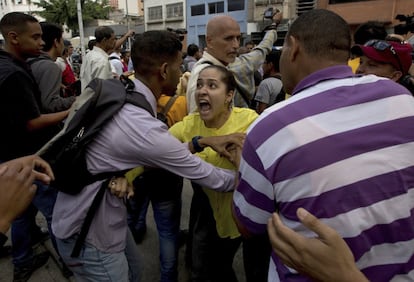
point(137, 218)
point(95, 265)
point(164, 193)
point(44, 200)
point(167, 215)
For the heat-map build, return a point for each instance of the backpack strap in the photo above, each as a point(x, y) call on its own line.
point(138, 99)
point(88, 220)
point(132, 97)
point(170, 102)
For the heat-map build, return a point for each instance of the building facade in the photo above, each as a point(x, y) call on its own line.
point(24, 6)
point(356, 12)
point(199, 12)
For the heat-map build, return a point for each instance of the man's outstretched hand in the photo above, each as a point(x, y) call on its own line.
point(324, 258)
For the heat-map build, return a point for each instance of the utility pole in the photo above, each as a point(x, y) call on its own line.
point(80, 23)
point(127, 22)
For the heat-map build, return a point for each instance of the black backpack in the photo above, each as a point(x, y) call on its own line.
point(66, 154)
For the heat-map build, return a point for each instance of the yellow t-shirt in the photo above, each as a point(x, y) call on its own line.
point(354, 64)
point(177, 111)
point(192, 125)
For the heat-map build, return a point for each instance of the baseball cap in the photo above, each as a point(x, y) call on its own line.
point(391, 52)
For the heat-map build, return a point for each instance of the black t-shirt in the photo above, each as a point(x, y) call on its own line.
point(18, 106)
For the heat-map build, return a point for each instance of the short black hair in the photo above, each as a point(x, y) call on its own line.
point(322, 34)
point(91, 44)
point(192, 49)
point(274, 58)
point(50, 32)
point(401, 29)
point(368, 31)
point(152, 48)
point(15, 20)
point(102, 32)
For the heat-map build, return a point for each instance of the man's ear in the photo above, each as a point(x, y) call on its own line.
point(208, 40)
point(294, 48)
point(164, 70)
point(12, 35)
point(396, 75)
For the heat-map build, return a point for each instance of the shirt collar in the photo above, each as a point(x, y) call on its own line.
point(210, 58)
point(100, 50)
point(334, 72)
point(149, 96)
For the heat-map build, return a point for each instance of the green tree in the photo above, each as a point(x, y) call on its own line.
point(65, 11)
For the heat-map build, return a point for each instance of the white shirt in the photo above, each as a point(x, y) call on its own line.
point(116, 63)
point(95, 64)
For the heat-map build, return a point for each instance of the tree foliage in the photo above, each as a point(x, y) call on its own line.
point(65, 11)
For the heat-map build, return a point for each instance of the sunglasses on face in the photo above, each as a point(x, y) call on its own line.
point(381, 45)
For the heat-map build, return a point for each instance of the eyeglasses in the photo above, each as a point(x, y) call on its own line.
point(381, 45)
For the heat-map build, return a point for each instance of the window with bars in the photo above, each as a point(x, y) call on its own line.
point(155, 13)
point(216, 7)
point(198, 10)
point(235, 5)
point(174, 10)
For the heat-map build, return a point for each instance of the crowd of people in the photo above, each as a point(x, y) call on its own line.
point(267, 136)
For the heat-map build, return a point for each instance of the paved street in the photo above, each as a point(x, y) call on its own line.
point(149, 250)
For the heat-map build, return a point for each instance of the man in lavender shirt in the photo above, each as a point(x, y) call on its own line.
point(132, 138)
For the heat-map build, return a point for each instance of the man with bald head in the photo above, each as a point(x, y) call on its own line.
point(223, 42)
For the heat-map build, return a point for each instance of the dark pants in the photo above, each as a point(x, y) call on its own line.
point(211, 257)
point(163, 189)
point(44, 201)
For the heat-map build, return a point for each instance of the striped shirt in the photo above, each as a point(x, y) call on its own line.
point(342, 147)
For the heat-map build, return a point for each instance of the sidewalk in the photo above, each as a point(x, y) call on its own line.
point(50, 272)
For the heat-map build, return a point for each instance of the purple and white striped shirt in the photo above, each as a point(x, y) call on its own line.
point(342, 147)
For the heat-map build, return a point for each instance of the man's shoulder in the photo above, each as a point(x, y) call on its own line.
point(9, 68)
point(45, 63)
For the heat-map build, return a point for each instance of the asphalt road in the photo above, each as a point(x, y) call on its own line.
point(148, 248)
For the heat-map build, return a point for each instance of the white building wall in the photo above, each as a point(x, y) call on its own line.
point(24, 6)
point(133, 9)
point(164, 22)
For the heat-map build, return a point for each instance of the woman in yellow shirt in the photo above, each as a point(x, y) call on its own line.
point(214, 235)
